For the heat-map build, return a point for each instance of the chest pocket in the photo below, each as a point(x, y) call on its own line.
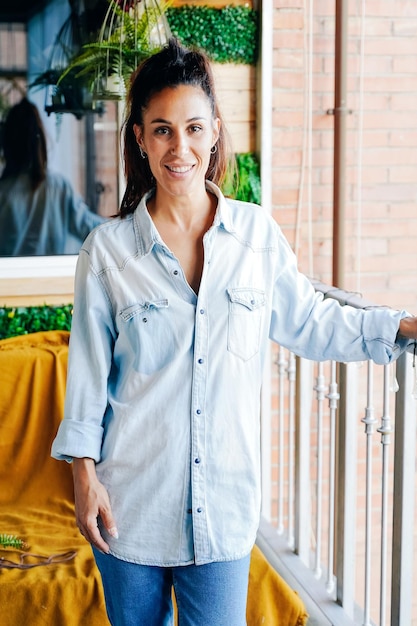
point(246, 308)
point(150, 335)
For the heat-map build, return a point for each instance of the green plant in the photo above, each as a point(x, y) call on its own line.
point(11, 541)
point(243, 182)
point(228, 35)
point(126, 38)
point(23, 320)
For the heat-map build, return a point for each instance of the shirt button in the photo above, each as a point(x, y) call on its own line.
point(199, 510)
point(198, 411)
point(201, 361)
point(175, 272)
point(144, 319)
point(202, 311)
point(197, 460)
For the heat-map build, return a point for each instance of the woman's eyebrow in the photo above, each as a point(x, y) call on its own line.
point(160, 120)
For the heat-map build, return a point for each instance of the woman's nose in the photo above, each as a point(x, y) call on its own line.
point(179, 145)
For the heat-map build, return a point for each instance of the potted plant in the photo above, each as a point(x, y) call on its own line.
point(131, 31)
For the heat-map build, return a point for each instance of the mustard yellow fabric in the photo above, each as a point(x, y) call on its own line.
point(36, 504)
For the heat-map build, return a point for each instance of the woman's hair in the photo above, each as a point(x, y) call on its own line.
point(174, 65)
point(24, 143)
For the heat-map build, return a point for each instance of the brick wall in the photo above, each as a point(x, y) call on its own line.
point(381, 230)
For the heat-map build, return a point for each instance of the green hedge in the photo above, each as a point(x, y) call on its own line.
point(23, 320)
point(228, 35)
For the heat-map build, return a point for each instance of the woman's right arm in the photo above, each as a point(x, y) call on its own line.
point(92, 502)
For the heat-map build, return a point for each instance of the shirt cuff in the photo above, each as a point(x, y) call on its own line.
point(77, 440)
point(380, 335)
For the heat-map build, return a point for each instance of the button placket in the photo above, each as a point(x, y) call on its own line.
point(198, 478)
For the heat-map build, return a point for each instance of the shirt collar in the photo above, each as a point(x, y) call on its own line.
point(146, 233)
point(223, 215)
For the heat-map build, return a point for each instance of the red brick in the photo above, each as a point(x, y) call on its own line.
point(288, 4)
point(288, 100)
point(288, 119)
point(291, 40)
point(289, 80)
point(286, 59)
point(284, 196)
point(283, 137)
point(289, 20)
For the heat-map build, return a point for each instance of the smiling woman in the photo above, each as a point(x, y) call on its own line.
point(175, 302)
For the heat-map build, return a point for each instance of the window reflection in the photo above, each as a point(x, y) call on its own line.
point(52, 217)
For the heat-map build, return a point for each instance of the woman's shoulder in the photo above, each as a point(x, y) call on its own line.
point(112, 242)
point(251, 217)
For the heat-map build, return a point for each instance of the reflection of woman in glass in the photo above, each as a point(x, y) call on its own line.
point(39, 211)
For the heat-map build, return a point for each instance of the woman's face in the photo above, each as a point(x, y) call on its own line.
point(177, 135)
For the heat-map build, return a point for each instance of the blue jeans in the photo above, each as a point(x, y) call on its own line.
point(206, 595)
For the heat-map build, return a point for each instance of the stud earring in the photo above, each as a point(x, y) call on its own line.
point(213, 149)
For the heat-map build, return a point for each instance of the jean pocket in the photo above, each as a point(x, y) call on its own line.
point(246, 307)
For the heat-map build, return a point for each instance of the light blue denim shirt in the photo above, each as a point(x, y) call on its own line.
point(164, 385)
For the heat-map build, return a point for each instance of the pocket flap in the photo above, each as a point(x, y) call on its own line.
point(250, 298)
point(140, 307)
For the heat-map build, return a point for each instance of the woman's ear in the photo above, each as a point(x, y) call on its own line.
point(216, 129)
point(138, 134)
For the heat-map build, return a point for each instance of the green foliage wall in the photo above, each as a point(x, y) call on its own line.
point(228, 35)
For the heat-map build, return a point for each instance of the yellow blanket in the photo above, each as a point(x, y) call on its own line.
point(36, 504)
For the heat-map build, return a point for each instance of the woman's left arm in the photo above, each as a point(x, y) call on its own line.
point(408, 328)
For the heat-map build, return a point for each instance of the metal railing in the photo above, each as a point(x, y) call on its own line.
point(339, 484)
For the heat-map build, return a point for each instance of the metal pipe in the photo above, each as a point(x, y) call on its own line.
point(340, 112)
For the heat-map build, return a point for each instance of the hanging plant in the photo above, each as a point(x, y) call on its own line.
point(131, 31)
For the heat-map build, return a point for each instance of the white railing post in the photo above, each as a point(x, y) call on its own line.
point(333, 397)
point(320, 389)
point(404, 489)
point(370, 422)
point(302, 499)
point(291, 445)
point(281, 363)
point(385, 430)
point(346, 457)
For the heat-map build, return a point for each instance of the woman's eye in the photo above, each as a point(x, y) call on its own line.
point(163, 130)
point(195, 128)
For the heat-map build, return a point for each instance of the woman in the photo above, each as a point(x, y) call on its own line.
point(39, 211)
point(175, 302)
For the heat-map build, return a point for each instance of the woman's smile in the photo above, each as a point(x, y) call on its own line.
point(179, 169)
point(177, 134)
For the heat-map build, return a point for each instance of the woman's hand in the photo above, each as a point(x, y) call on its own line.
point(408, 328)
point(91, 501)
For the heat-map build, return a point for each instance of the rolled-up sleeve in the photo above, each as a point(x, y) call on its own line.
point(323, 329)
point(89, 364)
